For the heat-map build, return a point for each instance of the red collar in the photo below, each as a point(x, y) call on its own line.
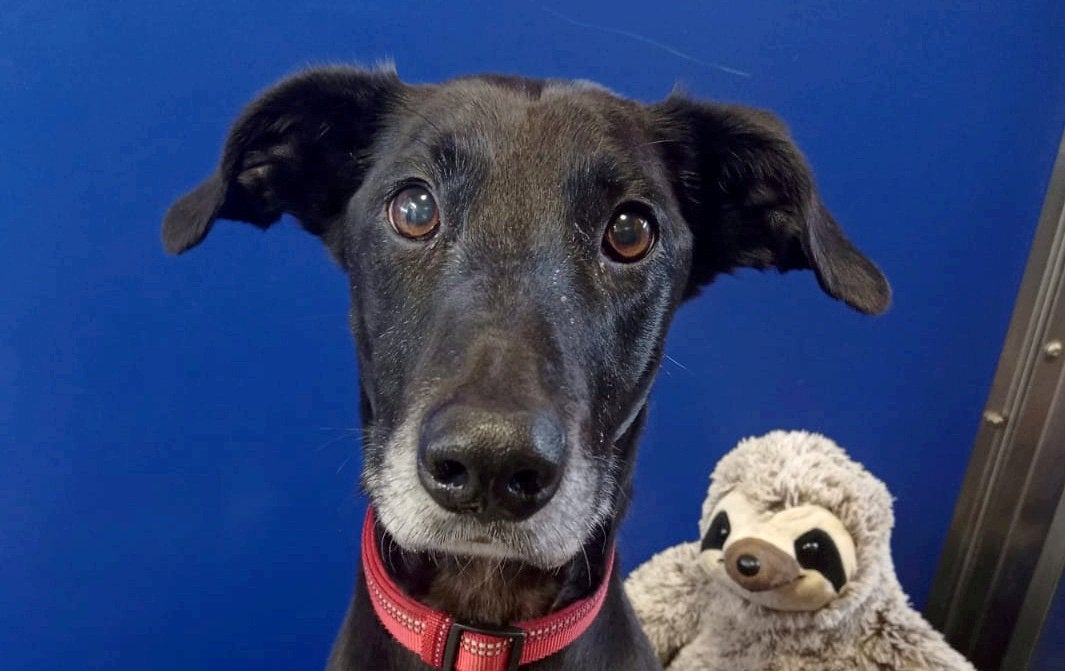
point(445, 644)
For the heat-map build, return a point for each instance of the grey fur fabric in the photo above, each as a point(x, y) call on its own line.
point(698, 621)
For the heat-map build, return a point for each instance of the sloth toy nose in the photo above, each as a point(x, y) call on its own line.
point(748, 565)
point(757, 565)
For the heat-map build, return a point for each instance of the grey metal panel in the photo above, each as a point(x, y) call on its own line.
point(1016, 475)
point(1049, 654)
point(1032, 625)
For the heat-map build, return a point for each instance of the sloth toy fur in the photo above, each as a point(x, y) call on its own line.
point(793, 572)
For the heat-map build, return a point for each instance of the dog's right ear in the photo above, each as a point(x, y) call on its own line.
point(300, 148)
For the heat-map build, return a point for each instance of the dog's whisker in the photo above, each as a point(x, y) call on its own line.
point(343, 464)
point(466, 565)
point(332, 316)
point(587, 565)
point(653, 142)
point(676, 363)
point(500, 571)
point(391, 554)
point(416, 112)
point(648, 41)
point(337, 439)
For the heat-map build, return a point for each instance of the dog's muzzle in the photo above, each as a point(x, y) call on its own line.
point(489, 463)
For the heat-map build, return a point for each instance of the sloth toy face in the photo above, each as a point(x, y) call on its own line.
point(796, 558)
point(793, 572)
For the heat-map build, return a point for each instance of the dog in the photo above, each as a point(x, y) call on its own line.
point(515, 250)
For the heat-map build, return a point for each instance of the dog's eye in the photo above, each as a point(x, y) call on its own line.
point(413, 213)
point(629, 236)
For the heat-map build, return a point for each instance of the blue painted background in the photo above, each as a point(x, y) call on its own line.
point(178, 455)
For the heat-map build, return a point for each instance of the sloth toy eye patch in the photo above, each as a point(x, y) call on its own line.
point(816, 551)
point(718, 532)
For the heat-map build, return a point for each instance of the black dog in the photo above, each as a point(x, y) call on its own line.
point(516, 249)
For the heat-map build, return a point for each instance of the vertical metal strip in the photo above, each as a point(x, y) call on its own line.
point(1016, 474)
point(1038, 599)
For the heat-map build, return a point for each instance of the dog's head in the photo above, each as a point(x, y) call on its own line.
point(515, 251)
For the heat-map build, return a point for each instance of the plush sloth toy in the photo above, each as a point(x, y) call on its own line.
point(793, 572)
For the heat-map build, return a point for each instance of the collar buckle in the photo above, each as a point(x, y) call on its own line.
point(515, 635)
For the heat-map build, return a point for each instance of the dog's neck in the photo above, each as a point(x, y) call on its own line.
point(492, 591)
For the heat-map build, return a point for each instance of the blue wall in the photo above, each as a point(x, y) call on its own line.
point(178, 455)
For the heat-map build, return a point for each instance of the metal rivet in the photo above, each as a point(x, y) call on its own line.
point(1053, 349)
point(994, 418)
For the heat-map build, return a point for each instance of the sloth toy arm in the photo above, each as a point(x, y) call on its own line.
point(668, 593)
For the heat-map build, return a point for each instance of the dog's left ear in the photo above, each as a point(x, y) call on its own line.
point(749, 196)
point(298, 149)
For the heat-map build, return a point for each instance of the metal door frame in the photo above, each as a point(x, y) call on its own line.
point(1005, 551)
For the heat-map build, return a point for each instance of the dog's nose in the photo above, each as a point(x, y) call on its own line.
point(496, 465)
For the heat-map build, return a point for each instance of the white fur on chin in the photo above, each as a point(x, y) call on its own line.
point(547, 540)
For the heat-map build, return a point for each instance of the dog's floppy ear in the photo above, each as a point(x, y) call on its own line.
point(297, 149)
point(750, 199)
